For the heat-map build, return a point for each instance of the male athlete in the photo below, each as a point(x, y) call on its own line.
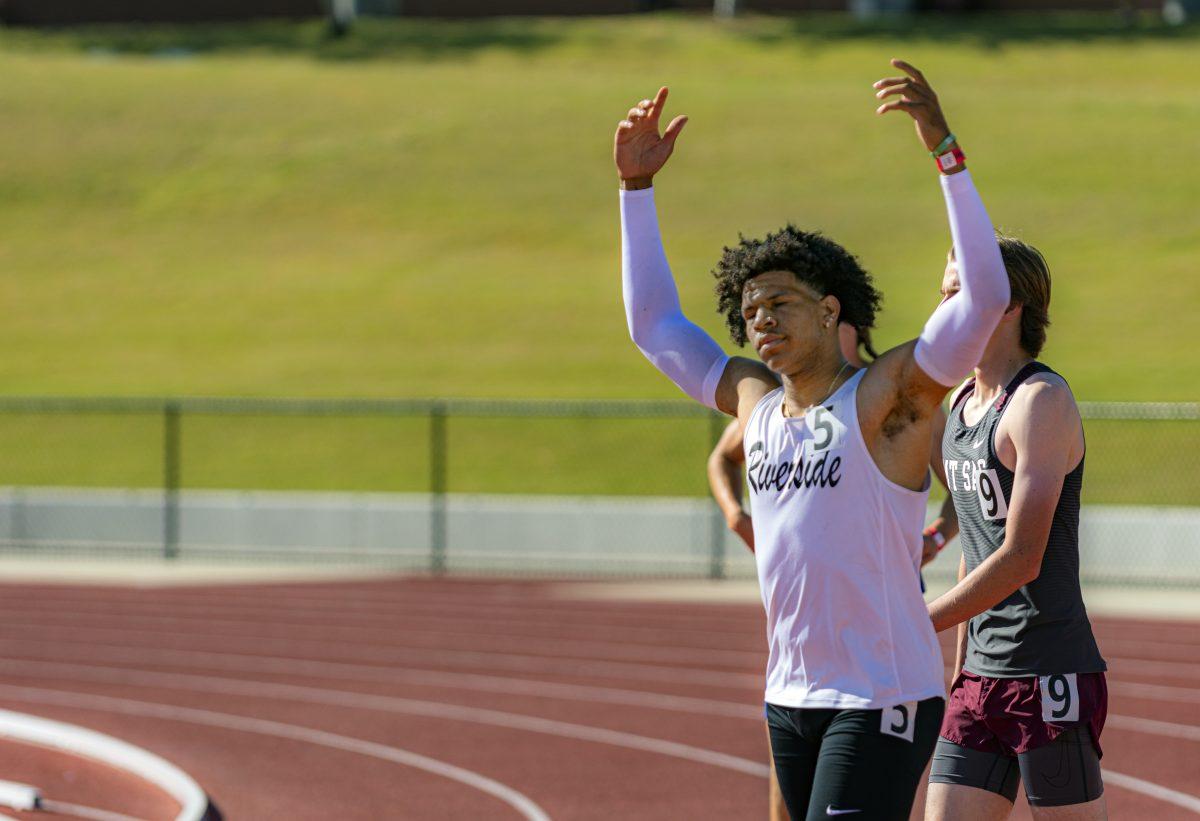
point(1028, 699)
point(729, 455)
point(837, 461)
point(725, 467)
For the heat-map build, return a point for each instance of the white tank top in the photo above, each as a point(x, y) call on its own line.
point(838, 548)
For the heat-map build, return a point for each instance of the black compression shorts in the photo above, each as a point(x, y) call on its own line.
point(1064, 772)
point(861, 763)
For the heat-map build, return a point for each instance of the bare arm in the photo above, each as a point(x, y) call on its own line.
point(960, 651)
point(1043, 426)
point(725, 481)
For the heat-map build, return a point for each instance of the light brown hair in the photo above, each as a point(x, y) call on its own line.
point(1029, 280)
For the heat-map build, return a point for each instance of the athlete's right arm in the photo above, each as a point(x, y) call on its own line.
point(679, 348)
point(960, 652)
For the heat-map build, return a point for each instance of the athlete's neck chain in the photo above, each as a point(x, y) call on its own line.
point(828, 393)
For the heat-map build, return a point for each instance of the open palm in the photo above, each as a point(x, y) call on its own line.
point(638, 149)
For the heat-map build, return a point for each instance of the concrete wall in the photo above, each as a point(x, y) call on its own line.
point(520, 534)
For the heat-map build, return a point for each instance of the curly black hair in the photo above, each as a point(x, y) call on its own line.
point(816, 260)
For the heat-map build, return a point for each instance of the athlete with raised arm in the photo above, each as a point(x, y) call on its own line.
point(725, 465)
point(1028, 700)
point(725, 470)
point(837, 461)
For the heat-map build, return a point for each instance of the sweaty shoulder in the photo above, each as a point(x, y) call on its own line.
point(743, 384)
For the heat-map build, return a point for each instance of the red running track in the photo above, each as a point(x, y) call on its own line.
point(420, 698)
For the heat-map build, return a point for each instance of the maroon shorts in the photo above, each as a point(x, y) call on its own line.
point(1014, 715)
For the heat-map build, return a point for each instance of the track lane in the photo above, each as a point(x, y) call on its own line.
point(515, 689)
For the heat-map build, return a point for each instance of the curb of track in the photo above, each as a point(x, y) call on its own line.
point(194, 803)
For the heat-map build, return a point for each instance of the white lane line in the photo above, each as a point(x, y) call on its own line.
point(307, 694)
point(80, 811)
point(521, 803)
point(633, 655)
point(1177, 669)
point(1155, 692)
point(1149, 788)
point(352, 633)
point(416, 639)
point(349, 620)
point(699, 706)
point(554, 665)
point(428, 709)
point(391, 675)
point(17, 796)
point(725, 623)
point(468, 681)
point(1152, 727)
point(1137, 648)
point(433, 655)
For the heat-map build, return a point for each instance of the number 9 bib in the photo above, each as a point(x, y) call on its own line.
point(1060, 698)
point(991, 495)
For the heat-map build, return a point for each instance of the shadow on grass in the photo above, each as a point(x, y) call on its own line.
point(367, 40)
point(424, 39)
point(985, 30)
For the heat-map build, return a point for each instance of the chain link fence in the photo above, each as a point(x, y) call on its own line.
point(553, 488)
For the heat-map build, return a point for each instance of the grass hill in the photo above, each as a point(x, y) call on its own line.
point(429, 209)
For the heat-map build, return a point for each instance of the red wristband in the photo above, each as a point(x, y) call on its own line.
point(939, 540)
point(951, 159)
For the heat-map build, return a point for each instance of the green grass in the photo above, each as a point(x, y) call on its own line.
point(428, 209)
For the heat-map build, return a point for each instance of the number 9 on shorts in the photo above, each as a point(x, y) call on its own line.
point(1060, 698)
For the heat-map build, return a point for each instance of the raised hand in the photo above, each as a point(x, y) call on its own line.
point(638, 149)
point(917, 98)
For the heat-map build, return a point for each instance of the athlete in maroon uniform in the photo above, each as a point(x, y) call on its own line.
point(1028, 700)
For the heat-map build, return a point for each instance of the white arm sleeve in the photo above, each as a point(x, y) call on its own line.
point(679, 348)
point(955, 336)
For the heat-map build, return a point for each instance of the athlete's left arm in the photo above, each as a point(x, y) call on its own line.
point(725, 481)
point(1043, 427)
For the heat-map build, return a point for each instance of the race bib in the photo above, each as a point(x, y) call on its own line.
point(828, 431)
point(991, 495)
point(898, 721)
point(1060, 698)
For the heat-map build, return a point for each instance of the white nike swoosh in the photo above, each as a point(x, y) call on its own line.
point(977, 444)
point(829, 810)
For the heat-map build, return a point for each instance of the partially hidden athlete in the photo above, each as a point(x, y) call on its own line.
point(837, 461)
point(1028, 699)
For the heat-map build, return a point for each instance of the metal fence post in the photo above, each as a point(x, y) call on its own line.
point(437, 488)
point(171, 472)
point(716, 533)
